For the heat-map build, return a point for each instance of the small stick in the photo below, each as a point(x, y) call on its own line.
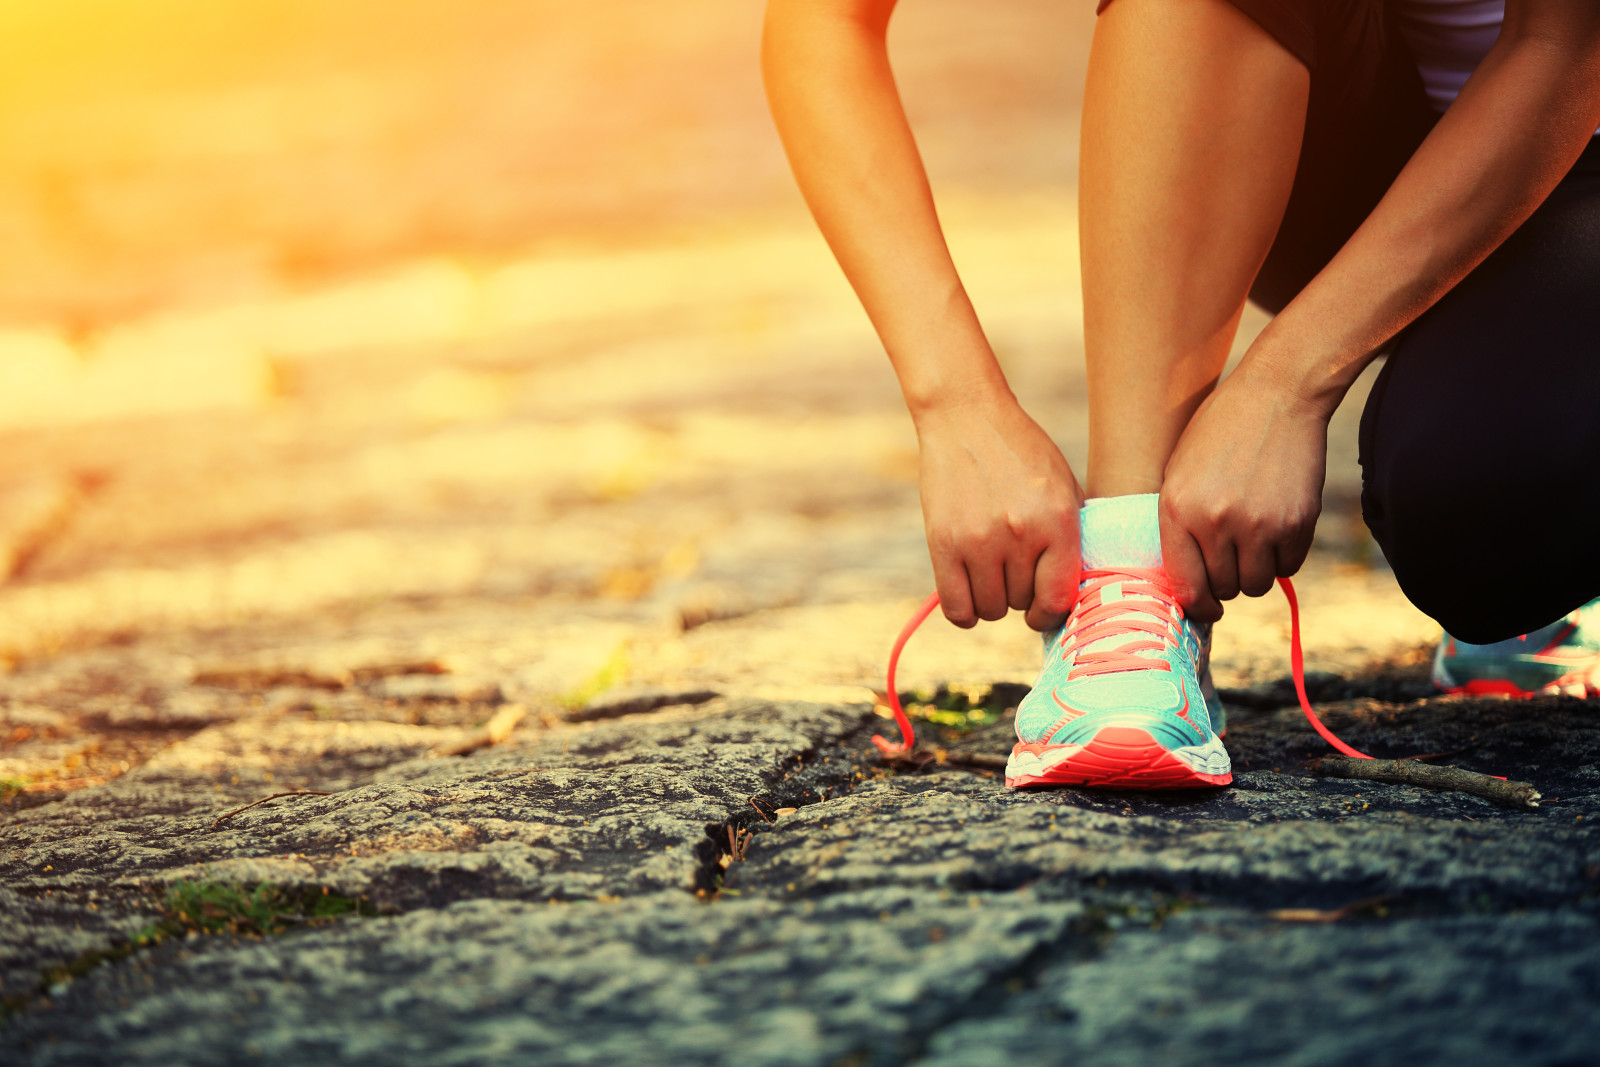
point(764, 816)
point(976, 759)
point(1450, 779)
point(491, 733)
point(738, 841)
point(291, 793)
point(1318, 915)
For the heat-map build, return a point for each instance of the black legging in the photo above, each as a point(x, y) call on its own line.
point(1480, 443)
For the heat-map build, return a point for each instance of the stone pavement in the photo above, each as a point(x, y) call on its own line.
point(686, 851)
point(274, 527)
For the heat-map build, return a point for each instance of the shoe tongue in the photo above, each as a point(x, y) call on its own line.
point(1120, 531)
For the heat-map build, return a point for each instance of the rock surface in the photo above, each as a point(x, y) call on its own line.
point(653, 488)
point(538, 901)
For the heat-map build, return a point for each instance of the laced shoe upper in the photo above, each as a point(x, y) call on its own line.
point(1126, 655)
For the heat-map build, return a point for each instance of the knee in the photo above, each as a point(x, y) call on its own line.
point(1467, 561)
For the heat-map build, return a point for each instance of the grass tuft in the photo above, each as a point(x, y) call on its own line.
point(611, 673)
point(219, 908)
point(208, 908)
point(959, 709)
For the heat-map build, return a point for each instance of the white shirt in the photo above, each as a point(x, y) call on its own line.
point(1449, 38)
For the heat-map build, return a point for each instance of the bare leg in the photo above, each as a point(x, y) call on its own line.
point(1192, 120)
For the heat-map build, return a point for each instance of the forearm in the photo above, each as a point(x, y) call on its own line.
point(1523, 118)
point(833, 97)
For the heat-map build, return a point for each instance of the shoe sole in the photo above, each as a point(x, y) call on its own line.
point(1495, 683)
point(1120, 757)
point(1488, 687)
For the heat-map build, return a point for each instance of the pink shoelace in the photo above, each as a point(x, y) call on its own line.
point(1096, 621)
point(1106, 620)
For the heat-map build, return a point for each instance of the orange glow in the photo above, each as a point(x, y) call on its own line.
point(308, 303)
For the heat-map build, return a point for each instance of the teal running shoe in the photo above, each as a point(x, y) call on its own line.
point(1562, 658)
point(1124, 699)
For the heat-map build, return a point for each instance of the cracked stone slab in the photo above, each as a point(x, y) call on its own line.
point(951, 831)
point(1227, 988)
point(848, 932)
point(613, 808)
point(657, 979)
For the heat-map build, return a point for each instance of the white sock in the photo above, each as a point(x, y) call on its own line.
point(1121, 531)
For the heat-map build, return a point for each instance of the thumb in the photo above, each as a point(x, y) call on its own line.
point(1186, 567)
point(1055, 583)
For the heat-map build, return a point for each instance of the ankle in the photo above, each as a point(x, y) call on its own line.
point(1120, 531)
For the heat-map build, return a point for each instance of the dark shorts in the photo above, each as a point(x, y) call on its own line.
point(1480, 442)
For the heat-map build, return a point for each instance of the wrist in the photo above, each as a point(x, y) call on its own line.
point(1307, 379)
point(937, 399)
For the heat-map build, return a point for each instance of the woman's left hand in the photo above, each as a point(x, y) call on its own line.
point(1242, 492)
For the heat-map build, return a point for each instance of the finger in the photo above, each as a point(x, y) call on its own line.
point(955, 595)
point(1055, 586)
point(1222, 565)
point(1186, 569)
point(1290, 555)
point(1258, 569)
point(988, 583)
point(1019, 578)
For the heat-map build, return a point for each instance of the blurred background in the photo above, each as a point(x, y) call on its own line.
point(462, 351)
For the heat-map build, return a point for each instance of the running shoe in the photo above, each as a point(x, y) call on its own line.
point(1563, 657)
point(1123, 699)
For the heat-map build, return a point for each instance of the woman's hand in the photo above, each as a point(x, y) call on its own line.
point(1242, 492)
point(1001, 509)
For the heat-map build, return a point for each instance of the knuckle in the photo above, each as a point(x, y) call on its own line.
point(1059, 604)
point(964, 535)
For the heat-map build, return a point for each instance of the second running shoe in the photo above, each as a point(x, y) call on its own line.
point(1562, 658)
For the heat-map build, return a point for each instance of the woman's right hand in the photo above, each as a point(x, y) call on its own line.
point(1001, 506)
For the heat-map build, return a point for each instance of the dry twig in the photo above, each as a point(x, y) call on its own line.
point(1450, 779)
point(496, 730)
point(975, 760)
point(765, 813)
point(738, 842)
point(1332, 915)
point(220, 819)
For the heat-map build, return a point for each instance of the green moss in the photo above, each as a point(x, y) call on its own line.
point(1152, 912)
point(10, 787)
point(210, 908)
point(216, 907)
point(958, 709)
